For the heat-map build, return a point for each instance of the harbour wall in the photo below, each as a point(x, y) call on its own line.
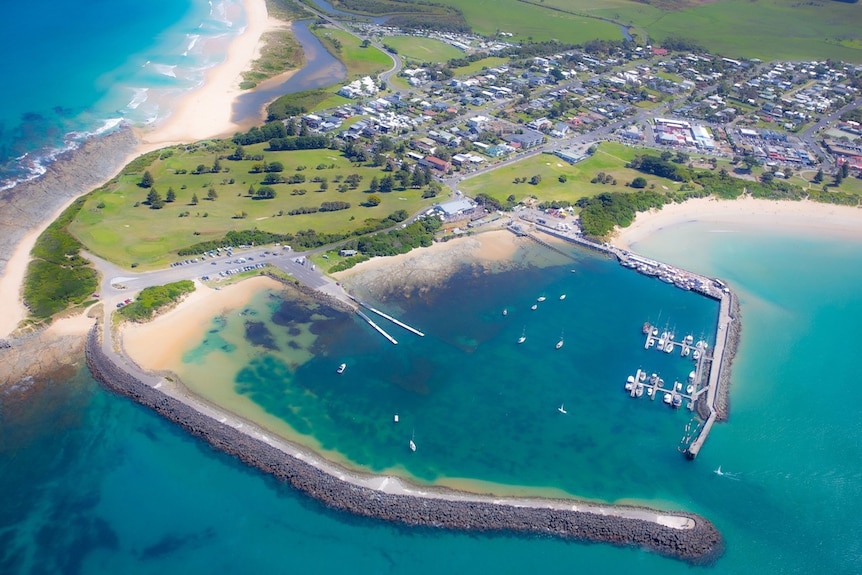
point(698, 542)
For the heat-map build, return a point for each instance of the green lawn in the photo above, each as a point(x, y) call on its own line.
point(478, 65)
point(610, 159)
point(111, 226)
point(359, 61)
point(423, 49)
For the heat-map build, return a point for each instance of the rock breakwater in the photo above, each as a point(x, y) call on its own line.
point(697, 542)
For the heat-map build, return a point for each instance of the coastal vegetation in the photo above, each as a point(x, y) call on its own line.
point(280, 53)
point(151, 300)
point(57, 276)
point(410, 14)
point(216, 191)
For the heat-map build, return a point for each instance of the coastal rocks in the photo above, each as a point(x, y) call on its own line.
point(734, 328)
point(28, 205)
point(37, 354)
point(700, 543)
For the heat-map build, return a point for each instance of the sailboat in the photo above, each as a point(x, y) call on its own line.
point(562, 409)
point(523, 337)
point(560, 343)
point(719, 471)
point(412, 444)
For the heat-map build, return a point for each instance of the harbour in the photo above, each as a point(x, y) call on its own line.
point(709, 396)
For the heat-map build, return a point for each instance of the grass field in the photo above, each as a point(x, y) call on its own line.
point(359, 61)
point(423, 49)
point(610, 159)
point(473, 67)
point(528, 21)
point(766, 29)
point(115, 228)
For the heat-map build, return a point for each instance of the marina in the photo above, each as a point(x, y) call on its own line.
point(709, 392)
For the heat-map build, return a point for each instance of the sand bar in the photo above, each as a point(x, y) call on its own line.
point(808, 217)
point(159, 344)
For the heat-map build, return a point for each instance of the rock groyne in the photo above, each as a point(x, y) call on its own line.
point(698, 542)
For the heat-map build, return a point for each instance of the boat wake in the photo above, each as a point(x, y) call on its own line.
point(727, 474)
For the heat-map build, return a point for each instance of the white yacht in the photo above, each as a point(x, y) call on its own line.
point(341, 368)
point(534, 307)
point(412, 443)
point(523, 337)
point(562, 409)
point(540, 299)
point(562, 297)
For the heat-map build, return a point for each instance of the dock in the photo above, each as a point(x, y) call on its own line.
point(390, 318)
point(716, 365)
point(377, 327)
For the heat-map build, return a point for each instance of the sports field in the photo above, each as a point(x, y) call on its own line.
point(422, 49)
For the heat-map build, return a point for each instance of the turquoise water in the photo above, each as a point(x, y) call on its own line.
point(80, 67)
point(105, 486)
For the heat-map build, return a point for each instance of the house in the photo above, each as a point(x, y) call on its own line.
point(436, 163)
point(528, 139)
point(560, 130)
point(347, 253)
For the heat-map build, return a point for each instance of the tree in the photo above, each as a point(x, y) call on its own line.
point(266, 193)
point(171, 196)
point(562, 178)
point(818, 177)
point(324, 185)
point(366, 43)
point(194, 199)
point(374, 186)
point(639, 183)
point(536, 180)
point(216, 166)
point(418, 179)
point(845, 170)
point(155, 200)
point(212, 194)
point(373, 200)
point(146, 180)
point(386, 184)
point(251, 189)
point(377, 159)
point(238, 153)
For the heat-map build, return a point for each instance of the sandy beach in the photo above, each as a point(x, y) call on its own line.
point(804, 216)
point(158, 344)
point(207, 112)
point(203, 113)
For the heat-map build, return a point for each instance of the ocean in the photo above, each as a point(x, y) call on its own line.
point(102, 485)
point(77, 69)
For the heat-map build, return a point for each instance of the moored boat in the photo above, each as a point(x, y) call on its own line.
point(341, 368)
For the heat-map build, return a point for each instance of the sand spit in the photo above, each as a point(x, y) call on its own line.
point(680, 535)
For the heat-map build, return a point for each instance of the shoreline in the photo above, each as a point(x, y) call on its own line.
point(803, 216)
point(683, 536)
point(206, 112)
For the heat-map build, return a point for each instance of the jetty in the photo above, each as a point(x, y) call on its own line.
point(390, 318)
point(377, 327)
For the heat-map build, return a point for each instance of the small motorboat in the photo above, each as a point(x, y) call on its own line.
point(341, 368)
